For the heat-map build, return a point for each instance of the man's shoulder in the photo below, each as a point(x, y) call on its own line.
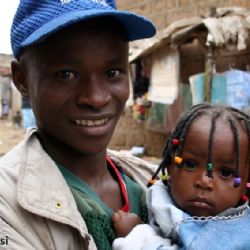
point(138, 169)
point(128, 159)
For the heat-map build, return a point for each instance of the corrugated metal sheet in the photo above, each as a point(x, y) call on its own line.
point(228, 28)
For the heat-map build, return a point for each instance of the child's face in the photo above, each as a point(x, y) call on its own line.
point(77, 82)
point(191, 188)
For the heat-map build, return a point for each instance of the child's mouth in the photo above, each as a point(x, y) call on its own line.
point(201, 202)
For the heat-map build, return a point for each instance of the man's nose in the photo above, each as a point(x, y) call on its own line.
point(93, 92)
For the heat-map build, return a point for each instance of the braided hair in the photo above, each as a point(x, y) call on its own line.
point(176, 141)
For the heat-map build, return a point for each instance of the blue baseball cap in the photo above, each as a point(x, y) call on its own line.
point(36, 20)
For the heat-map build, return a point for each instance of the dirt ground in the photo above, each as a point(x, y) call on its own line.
point(9, 136)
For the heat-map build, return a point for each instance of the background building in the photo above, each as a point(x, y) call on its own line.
point(135, 132)
point(164, 12)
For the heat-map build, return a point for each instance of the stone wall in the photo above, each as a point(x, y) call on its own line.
point(164, 12)
point(130, 132)
point(5, 60)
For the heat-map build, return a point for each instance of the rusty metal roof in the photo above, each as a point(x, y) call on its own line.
point(227, 28)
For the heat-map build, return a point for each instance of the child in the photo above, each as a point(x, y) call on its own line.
point(201, 203)
point(5, 109)
point(17, 119)
point(60, 186)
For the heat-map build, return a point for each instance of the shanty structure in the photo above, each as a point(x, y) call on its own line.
point(210, 44)
point(7, 89)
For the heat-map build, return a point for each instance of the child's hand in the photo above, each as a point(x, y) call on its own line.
point(124, 222)
point(142, 237)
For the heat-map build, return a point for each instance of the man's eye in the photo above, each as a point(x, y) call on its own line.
point(65, 74)
point(189, 165)
point(113, 73)
point(226, 172)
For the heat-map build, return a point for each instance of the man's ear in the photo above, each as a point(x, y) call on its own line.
point(19, 78)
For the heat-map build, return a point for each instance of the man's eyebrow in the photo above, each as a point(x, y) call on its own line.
point(75, 61)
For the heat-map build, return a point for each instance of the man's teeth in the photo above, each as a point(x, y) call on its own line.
point(91, 123)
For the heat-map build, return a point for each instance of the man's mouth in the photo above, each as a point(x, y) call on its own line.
point(91, 123)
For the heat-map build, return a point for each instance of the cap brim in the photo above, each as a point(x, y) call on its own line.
point(137, 27)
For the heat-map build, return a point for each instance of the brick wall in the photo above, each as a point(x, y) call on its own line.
point(163, 12)
point(129, 133)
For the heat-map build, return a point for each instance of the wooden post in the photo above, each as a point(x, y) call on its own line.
point(209, 68)
point(210, 63)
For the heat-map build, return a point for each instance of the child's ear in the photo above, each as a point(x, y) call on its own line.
point(19, 78)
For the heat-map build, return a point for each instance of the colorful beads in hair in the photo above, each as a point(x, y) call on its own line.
point(237, 182)
point(177, 160)
point(164, 177)
point(151, 182)
point(244, 198)
point(176, 141)
point(209, 169)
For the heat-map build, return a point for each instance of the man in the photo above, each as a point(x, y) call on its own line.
point(60, 187)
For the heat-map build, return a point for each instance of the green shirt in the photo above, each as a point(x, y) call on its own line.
point(97, 215)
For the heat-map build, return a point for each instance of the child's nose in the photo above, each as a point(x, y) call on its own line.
point(204, 182)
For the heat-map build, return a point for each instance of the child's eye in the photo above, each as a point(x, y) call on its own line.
point(66, 74)
point(226, 172)
point(189, 165)
point(113, 73)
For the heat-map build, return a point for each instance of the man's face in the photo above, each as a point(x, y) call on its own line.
point(191, 188)
point(78, 86)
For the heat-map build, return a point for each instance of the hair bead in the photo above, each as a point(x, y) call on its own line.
point(151, 182)
point(209, 166)
point(237, 181)
point(175, 142)
point(244, 198)
point(248, 185)
point(164, 177)
point(177, 160)
point(209, 169)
